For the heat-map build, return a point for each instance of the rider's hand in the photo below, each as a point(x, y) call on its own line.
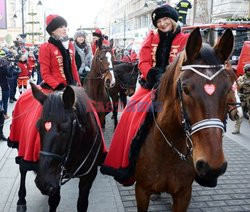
point(154, 76)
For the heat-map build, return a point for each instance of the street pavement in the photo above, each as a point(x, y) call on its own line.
point(231, 194)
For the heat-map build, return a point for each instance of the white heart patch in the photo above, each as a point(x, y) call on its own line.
point(47, 125)
point(234, 87)
point(209, 88)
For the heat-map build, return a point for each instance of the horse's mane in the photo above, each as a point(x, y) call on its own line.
point(53, 107)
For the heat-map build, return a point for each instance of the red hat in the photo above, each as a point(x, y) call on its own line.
point(97, 33)
point(53, 22)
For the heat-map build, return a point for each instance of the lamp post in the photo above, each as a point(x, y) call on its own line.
point(22, 9)
point(124, 27)
point(23, 35)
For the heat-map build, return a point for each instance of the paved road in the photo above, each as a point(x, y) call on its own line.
point(231, 194)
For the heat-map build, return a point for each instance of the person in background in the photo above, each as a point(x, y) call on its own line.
point(4, 74)
point(182, 8)
point(158, 50)
point(31, 65)
point(126, 58)
point(243, 83)
point(2, 119)
point(24, 74)
point(97, 39)
point(38, 72)
point(14, 71)
point(134, 56)
point(83, 55)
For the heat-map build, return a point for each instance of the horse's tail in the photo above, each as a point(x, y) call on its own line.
point(123, 99)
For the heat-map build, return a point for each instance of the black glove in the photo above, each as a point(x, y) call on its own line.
point(60, 87)
point(154, 76)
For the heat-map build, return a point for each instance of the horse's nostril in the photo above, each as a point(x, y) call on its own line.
point(202, 168)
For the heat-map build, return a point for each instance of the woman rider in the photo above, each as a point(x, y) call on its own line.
point(158, 50)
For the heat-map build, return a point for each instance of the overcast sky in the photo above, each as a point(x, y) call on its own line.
point(76, 12)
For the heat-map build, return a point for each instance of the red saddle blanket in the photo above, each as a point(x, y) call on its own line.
point(23, 132)
point(117, 160)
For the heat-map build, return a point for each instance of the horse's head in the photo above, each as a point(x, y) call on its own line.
point(102, 64)
point(202, 85)
point(56, 129)
point(127, 75)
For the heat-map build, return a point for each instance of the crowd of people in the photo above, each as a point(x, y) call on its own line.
point(21, 64)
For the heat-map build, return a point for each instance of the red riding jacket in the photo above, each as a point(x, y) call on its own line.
point(51, 62)
point(149, 46)
point(24, 74)
point(31, 63)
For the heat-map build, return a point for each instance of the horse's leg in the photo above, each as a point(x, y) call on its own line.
point(142, 198)
point(181, 200)
point(54, 201)
point(21, 203)
point(85, 185)
point(115, 100)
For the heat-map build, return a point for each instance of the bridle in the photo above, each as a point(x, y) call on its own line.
point(123, 85)
point(102, 73)
point(63, 159)
point(200, 125)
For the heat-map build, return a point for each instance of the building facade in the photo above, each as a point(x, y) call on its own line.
point(131, 19)
point(31, 23)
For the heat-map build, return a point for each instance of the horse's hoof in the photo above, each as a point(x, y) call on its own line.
point(21, 208)
point(155, 197)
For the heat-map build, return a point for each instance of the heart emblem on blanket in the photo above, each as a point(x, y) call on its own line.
point(47, 125)
point(209, 88)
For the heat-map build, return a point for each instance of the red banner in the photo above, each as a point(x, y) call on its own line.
point(3, 18)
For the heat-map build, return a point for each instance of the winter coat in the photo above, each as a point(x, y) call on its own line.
point(148, 50)
point(52, 66)
point(83, 59)
point(31, 63)
point(24, 70)
point(4, 73)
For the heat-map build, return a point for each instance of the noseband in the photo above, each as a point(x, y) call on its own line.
point(200, 125)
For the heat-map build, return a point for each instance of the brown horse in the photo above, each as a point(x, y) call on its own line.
point(100, 78)
point(184, 140)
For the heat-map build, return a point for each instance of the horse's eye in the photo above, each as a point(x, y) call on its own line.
point(185, 89)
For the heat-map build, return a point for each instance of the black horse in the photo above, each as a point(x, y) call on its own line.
point(126, 75)
point(71, 143)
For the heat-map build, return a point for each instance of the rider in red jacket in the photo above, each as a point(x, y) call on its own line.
point(158, 50)
point(58, 69)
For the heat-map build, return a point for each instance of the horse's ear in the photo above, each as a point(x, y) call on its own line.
point(68, 97)
point(194, 44)
point(37, 93)
point(224, 46)
point(99, 43)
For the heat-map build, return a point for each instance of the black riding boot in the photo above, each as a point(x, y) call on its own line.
point(2, 137)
